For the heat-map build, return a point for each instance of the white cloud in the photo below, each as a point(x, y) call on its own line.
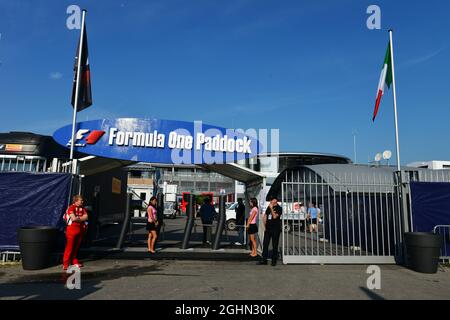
point(56, 75)
point(426, 57)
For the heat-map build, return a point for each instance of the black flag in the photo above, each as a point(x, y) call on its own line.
point(84, 91)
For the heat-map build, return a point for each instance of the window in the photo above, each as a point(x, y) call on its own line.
point(143, 196)
point(135, 174)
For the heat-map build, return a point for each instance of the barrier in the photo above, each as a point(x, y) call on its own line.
point(189, 222)
point(220, 224)
point(444, 230)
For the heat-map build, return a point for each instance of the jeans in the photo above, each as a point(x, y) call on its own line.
point(241, 231)
point(207, 231)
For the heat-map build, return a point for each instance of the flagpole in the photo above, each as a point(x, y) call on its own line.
point(397, 143)
point(77, 87)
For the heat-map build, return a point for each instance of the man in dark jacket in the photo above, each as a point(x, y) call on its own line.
point(207, 213)
point(240, 221)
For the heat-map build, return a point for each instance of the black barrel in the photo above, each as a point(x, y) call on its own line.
point(423, 250)
point(37, 245)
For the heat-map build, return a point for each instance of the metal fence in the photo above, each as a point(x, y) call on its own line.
point(18, 163)
point(23, 163)
point(9, 256)
point(444, 231)
point(65, 166)
point(362, 213)
point(359, 220)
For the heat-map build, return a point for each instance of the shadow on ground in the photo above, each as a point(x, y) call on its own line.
point(371, 294)
point(44, 286)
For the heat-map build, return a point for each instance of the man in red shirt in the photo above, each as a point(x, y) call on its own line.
point(76, 219)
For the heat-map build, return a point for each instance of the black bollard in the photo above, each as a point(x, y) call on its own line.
point(125, 223)
point(159, 213)
point(190, 212)
point(160, 204)
point(220, 224)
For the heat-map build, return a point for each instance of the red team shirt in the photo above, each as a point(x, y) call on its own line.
point(78, 211)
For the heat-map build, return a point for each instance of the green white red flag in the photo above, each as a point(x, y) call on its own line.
point(385, 79)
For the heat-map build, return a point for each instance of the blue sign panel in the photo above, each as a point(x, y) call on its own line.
point(159, 141)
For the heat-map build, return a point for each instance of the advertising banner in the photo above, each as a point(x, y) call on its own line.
point(159, 141)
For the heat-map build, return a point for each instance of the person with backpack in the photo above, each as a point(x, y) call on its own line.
point(76, 218)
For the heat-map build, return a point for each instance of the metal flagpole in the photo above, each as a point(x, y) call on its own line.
point(77, 88)
point(354, 148)
point(74, 120)
point(404, 211)
point(397, 143)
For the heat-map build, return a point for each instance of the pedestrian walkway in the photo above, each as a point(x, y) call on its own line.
point(236, 280)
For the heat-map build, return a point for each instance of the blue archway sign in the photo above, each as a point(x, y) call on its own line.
point(159, 141)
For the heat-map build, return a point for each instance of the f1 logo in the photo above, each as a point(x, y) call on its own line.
point(92, 138)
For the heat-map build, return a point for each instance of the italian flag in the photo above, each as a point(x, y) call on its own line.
point(385, 79)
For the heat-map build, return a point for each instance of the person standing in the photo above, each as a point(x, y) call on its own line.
point(252, 227)
point(272, 226)
point(152, 224)
point(176, 208)
point(312, 217)
point(240, 221)
point(207, 213)
point(302, 216)
point(76, 218)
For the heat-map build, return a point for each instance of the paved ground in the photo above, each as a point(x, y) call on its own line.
point(200, 274)
point(184, 279)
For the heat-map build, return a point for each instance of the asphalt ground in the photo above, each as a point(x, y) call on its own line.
point(177, 275)
point(150, 279)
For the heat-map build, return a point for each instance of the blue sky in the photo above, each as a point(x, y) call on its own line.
point(309, 68)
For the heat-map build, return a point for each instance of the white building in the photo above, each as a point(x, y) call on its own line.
point(433, 164)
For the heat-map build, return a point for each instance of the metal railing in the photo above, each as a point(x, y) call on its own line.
point(9, 256)
point(23, 163)
point(65, 166)
point(360, 217)
point(20, 163)
point(444, 230)
point(426, 175)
